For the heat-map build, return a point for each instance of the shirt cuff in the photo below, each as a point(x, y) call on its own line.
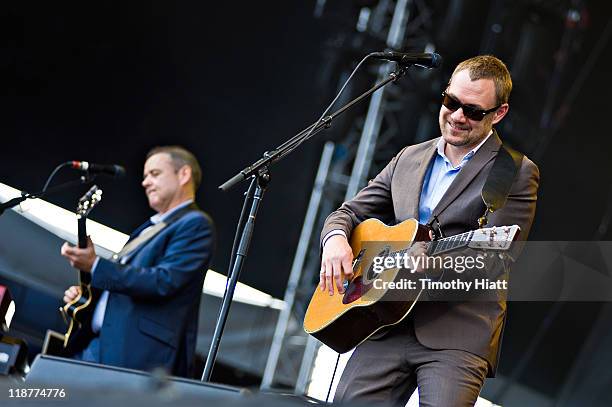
point(333, 233)
point(95, 264)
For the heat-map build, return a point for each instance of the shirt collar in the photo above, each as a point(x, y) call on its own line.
point(466, 158)
point(158, 217)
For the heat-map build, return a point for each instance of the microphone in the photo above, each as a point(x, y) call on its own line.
point(426, 60)
point(113, 170)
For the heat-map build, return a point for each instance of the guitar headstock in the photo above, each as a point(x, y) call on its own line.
point(89, 201)
point(494, 238)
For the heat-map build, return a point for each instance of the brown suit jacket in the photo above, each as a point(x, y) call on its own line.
point(393, 196)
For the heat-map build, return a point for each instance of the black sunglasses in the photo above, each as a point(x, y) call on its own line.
point(470, 112)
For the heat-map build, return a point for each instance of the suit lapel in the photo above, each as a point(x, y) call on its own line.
point(415, 185)
point(484, 154)
point(140, 228)
point(139, 239)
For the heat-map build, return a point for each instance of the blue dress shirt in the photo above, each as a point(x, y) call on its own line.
point(439, 177)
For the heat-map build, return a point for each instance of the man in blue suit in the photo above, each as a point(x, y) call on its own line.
point(147, 313)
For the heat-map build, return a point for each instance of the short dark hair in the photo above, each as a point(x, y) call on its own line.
point(180, 157)
point(489, 67)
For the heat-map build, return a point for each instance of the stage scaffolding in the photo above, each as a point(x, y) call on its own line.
point(343, 170)
point(523, 34)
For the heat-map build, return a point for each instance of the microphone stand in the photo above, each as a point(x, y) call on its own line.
point(259, 171)
point(84, 179)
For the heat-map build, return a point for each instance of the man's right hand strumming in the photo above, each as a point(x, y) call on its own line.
point(336, 264)
point(72, 293)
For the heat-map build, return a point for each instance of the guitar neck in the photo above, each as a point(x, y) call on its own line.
point(82, 231)
point(443, 245)
point(498, 238)
point(449, 243)
point(84, 277)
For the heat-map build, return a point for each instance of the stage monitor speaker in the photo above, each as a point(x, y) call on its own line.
point(13, 356)
point(73, 374)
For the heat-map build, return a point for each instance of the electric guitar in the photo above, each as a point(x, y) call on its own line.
point(343, 321)
point(78, 313)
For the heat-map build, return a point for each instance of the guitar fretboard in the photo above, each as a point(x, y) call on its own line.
point(450, 243)
point(443, 245)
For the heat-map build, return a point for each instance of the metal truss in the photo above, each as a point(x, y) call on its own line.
point(371, 138)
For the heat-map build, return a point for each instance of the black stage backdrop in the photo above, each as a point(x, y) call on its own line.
point(105, 82)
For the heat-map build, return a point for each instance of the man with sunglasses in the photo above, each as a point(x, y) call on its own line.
point(445, 348)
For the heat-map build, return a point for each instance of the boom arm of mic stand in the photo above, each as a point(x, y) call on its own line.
point(281, 151)
point(24, 195)
point(260, 169)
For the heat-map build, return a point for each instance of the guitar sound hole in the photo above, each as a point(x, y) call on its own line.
point(371, 274)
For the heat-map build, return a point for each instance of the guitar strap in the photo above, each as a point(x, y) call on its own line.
point(499, 181)
point(496, 188)
point(136, 243)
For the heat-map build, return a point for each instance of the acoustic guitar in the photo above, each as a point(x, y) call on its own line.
point(78, 313)
point(343, 321)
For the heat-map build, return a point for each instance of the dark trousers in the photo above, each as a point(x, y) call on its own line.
point(387, 370)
